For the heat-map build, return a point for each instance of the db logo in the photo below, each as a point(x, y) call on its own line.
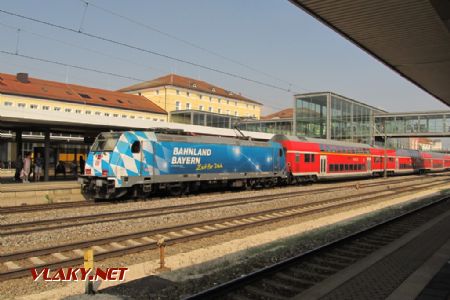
point(79, 274)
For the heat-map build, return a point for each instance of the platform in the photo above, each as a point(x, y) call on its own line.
point(412, 267)
point(15, 194)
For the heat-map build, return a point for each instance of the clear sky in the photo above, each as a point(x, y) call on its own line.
point(273, 37)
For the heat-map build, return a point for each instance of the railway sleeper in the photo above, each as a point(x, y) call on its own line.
point(339, 258)
point(305, 283)
point(349, 253)
point(281, 288)
point(324, 260)
point(262, 294)
point(303, 274)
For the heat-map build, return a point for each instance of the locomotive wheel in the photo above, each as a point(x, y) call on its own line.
point(177, 189)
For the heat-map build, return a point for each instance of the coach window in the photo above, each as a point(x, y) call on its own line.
point(312, 157)
point(297, 157)
point(306, 158)
point(136, 147)
point(341, 167)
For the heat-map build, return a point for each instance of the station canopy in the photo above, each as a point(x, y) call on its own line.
point(411, 37)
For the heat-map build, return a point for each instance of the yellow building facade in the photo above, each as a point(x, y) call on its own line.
point(176, 93)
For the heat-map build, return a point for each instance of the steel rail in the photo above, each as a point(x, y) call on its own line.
point(243, 221)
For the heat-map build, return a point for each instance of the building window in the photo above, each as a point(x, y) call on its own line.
point(210, 99)
point(32, 106)
point(21, 105)
point(247, 105)
point(200, 96)
point(57, 108)
point(219, 110)
point(115, 115)
point(178, 92)
point(68, 110)
point(235, 103)
point(218, 100)
point(210, 109)
point(228, 101)
point(78, 111)
point(187, 94)
point(188, 106)
point(106, 114)
point(103, 98)
point(132, 117)
point(88, 112)
point(97, 113)
point(124, 116)
point(157, 92)
point(8, 103)
point(85, 96)
point(254, 107)
point(161, 120)
point(155, 119)
point(235, 113)
point(178, 105)
point(45, 107)
point(200, 107)
point(228, 111)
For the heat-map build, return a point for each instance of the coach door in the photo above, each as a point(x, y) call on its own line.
point(323, 164)
point(396, 163)
point(369, 164)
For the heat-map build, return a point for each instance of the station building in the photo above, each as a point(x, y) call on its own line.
point(196, 102)
point(328, 115)
point(324, 115)
point(26, 95)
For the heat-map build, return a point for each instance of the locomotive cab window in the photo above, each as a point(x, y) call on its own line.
point(136, 147)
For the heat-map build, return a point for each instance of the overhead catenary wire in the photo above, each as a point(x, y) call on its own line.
point(70, 65)
point(205, 67)
point(186, 42)
point(73, 45)
point(22, 30)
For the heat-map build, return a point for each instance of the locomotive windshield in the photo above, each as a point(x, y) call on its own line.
point(105, 142)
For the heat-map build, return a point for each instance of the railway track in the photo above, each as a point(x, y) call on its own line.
point(76, 204)
point(17, 264)
point(291, 277)
point(66, 222)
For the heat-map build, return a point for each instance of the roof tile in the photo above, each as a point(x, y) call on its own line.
point(187, 83)
point(59, 91)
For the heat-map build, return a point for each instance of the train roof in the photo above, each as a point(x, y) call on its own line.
point(204, 139)
point(283, 137)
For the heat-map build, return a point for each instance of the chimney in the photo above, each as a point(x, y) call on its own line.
point(22, 77)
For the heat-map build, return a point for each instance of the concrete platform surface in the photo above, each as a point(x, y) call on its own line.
point(386, 272)
point(15, 194)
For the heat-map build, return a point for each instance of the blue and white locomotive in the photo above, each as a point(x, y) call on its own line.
point(142, 162)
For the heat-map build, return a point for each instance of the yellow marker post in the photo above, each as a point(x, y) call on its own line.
point(89, 264)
